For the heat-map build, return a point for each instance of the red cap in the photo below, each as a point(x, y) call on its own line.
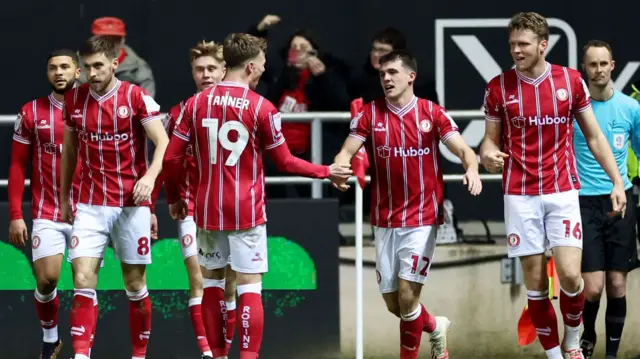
point(108, 26)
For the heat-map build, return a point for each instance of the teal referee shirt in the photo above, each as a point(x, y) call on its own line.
point(619, 120)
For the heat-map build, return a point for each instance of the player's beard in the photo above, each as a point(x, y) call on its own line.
point(61, 91)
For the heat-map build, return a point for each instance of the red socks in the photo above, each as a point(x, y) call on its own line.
point(213, 306)
point(230, 325)
point(411, 326)
point(428, 320)
point(571, 306)
point(83, 320)
point(251, 317)
point(544, 318)
point(139, 321)
point(47, 306)
point(195, 309)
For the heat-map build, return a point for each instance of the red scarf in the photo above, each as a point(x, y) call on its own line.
point(297, 134)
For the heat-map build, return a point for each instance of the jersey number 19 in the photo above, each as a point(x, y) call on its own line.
point(222, 135)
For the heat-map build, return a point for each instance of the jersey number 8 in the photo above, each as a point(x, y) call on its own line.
point(222, 135)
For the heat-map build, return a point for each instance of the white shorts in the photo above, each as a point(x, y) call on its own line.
point(187, 231)
point(128, 228)
point(49, 238)
point(245, 250)
point(404, 253)
point(537, 223)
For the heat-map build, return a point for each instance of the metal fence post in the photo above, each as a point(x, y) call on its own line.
point(316, 154)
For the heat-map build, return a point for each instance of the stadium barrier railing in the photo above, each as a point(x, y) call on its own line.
point(316, 119)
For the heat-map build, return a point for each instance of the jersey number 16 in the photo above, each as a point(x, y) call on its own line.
point(222, 135)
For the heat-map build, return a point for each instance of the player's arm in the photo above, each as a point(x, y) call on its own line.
point(273, 141)
point(455, 143)
point(20, 150)
point(490, 150)
point(68, 169)
point(148, 113)
point(174, 156)
point(350, 147)
point(598, 145)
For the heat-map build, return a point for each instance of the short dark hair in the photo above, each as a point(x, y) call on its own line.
point(596, 43)
point(530, 21)
point(64, 52)
point(240, 48)
point(391, 36)
point(404, 56)
point(100, 44)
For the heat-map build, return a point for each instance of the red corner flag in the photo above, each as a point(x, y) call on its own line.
point(359, 162)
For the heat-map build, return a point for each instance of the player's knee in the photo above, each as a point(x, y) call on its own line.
point(616, 285)
point(46, 282)
point(84, 279)
point(592, 290)
point(570, 280)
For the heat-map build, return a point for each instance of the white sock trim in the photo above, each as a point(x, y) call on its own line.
point(195, 301)
point(231, 305)
point(576, 293)
point(89, 293)
point(80, 356)
point(139, 295)
point(210, 283)
point(45, 298)
point(537, 295)
point(412, 316)
point(250, 288)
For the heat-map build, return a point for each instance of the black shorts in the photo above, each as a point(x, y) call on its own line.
point(609, 242)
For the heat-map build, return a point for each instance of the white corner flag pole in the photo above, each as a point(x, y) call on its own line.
point(359, 303)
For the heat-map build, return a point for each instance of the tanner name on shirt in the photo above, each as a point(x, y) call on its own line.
point(239, 103)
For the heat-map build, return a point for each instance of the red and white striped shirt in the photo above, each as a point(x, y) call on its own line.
point(39, 129)
point(402, 145)
point(112, 140)
point(187, 188)
point(229, 126)
point(537, 128)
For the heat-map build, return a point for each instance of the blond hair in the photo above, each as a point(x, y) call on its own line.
point(530, 21)
point(207, 48)
point(240, 48)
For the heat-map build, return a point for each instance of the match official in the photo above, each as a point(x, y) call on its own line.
point(609, 248)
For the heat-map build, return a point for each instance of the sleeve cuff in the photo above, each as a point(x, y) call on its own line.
point(152, 118)
point(21, 139)
point(355, 135)
point(270, 147)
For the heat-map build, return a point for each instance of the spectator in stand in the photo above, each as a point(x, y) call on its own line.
point(131, 68)
point(310, 81)
point(365, 83)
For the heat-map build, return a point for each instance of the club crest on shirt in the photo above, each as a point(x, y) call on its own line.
point(513, 240)
point(425, 125)
point(518, 122)
point(123, 111)
point(618, 141)
point(562, 95)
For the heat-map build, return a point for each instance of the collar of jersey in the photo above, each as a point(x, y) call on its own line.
point(108, 94)
point(55, 102)
point(402, 111)
point(232, 84)
point(538, 80)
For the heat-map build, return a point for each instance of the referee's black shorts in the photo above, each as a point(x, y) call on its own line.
point(609, 243)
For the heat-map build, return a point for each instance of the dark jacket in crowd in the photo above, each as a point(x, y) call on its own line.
point(365, 83)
